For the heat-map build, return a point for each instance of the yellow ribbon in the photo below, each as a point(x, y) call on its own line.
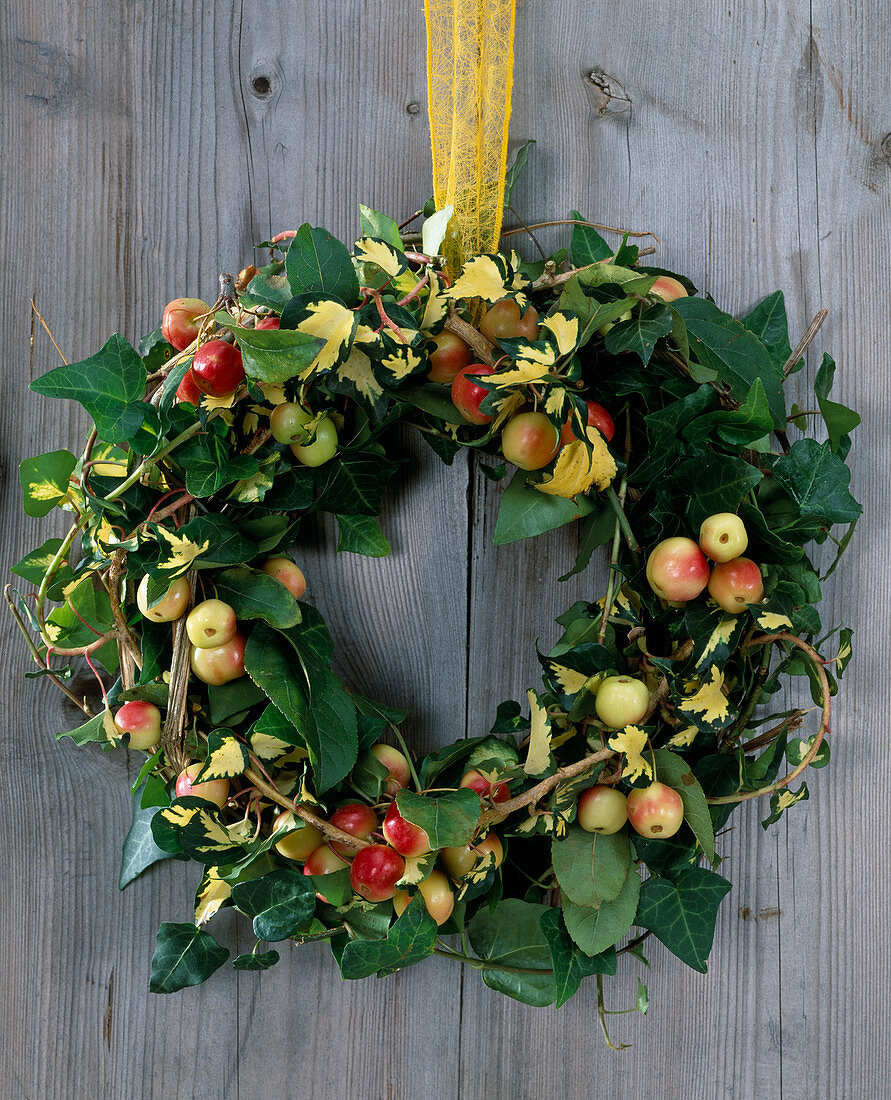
point(470, 50)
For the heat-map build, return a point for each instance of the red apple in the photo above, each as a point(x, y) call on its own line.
point(450, 355)
point(271, 322)
point(288, 573)
point(299, 844)
point(406, 838)
point(187, 390)
point(396, 765)
point(668, 289)
point(504, 320)
point(735, 584)
point(375, 871)
point(222, 663)
point(358, 820)
point(217, 368)
point(495, 792)
point(529, 440)
point(180, 323)
point(655, 811)
point(598, 418)
point(601, 809)
point(467, 396)
point(211, 623)
point(142, 721)
point(677, 570)
point(214, 790)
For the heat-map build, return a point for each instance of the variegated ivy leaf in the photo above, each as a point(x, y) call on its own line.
point(398, 362)
point(206, 838)
point(372, 250)
point(845, 652)
point(770, 620)
point(417, 868)
point(355, 378)
point(436, 305)
point(565, 330)
point(179, 552)
point(796, 751)
point(226, 756)
point(487, 863)
point(781, 801)
point(533, 361)
point(631, 741)
point(683, 738)
point(177, 815)
point(627, 606)
point(212, 893)
point(566, 679)
point(327, 320)
point(267, 746)
point(706, 705)
point(491, 278)
point(565, 796)
point(502, 406)
point(580, 466)
point(252, 490)
point(538, 755)
point(558, 405)
point(45, 481)
point(715, 636)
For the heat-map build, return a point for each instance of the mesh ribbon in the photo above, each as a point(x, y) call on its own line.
point(469, 76)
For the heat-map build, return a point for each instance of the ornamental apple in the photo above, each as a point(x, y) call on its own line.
point(723, 536)
point(668, 289)
point(358, 820)
point(598, 418)
point(437, 894)
point(322, 448)
point(735, 584)
point(495, 792)
point(459, 862)
point(171, 605)
point(181, 323)
point(214, 790)
point(288, 423)
point(621, 701)
point(406, 838)
point(211, 623)
point(323, 861)
point(271, 322)
point(288, 573)
point(467, 395)
point(529, 440)
point(299, 844)
point(655, 811)
point(217, 368)
point(451, 354)
point(222, 663)
point(504, 321)
point(677, 570)
point(601, 809)
point(187, 391)
point(375, 871)
point(142, 721)
point(395, 763)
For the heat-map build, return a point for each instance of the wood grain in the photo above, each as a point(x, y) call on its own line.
point(145, 148)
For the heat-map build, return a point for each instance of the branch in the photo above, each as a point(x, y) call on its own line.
point(325, 827)
point(483, 348)
point(805, 342)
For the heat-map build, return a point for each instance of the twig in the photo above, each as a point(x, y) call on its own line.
point(325, 827)
point(483, 348)
point(805, 342)
point(512, 230)
point(47, 331)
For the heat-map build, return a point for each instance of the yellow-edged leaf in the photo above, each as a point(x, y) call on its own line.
point(770, 620)
point(580, 467)
point(787, 798)
point(370, 250)
point(708, 702)
point(436, 305)
point(683, 738)
point(538, 755)
point(212, 892)
point(564, 327)
point(336, 325)
point(481, 277)
point(182, 551)
point(532, 364)
point(631, 741)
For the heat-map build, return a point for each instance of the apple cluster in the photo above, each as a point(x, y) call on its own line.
point(655, 811)
point(678, 568)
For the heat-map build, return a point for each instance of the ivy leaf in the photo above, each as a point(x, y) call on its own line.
point(140, 850)
point(226, 544)
point(362, 535)
point(281, 903)
point(109, 385)
point(274, 356)
point(253, 594)
point(513, 173)
point(734, 352)
point(570, 964)
point(449, 819)
point(737, 427)
point(209, 464)
point(817, 481)
point(839, 419)
point(33, 566)
point(524, 512)
point(226, 756)
point(184, 955)
point(780, 801)
point(357, 483)
point(512, 935)
point(317, 263)
point(675, 772)
point(682, 913)
point(45, 481)
point(768, 321)
point(271, 669)
point(721, 482)
point(373, 223)
point(411, 938)
point(591, 868)
point(596, 930)
point(640, 334)
point(586, 246)
point(254, 961)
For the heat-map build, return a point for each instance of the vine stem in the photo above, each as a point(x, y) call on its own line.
point(616, 505)
point(818, 663)
point(325, 827)
point(482, 964)
point(147, 463)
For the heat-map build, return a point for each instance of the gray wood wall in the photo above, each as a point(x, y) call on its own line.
point(140, 155)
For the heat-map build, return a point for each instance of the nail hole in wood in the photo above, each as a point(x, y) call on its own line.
point(261, 85)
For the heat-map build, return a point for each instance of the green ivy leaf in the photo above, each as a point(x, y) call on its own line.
point(375, 224)
point(675, 772)
point(411, 938)
point(740, 427)
point(209, 463)
point(596, 930)
point(817, 482)
point(839, 419)
point(768, 321)
point(524, 512)
point(449, 819)
point(254, 961)
point(511, 935)
point(570, 964)
point(140, 850)
point(109, 385)
point(682, 913)
point(586, 246)
point(362, 535)
point(640, 334)
point(281, 903)
point(357, 483)
point(591, 868)
point(45, 481)
point(721, 482)
point(253, 594)
point(184, 955)
point(317, 263)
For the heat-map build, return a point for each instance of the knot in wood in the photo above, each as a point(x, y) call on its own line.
point(607, 93)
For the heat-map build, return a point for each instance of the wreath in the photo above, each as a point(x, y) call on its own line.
point(586, 819)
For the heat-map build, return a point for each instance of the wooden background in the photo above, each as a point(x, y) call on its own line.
point(144, 148)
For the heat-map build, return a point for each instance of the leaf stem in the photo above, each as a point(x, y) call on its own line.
point(482, 964)
point(610, 493)
point(153, 460)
